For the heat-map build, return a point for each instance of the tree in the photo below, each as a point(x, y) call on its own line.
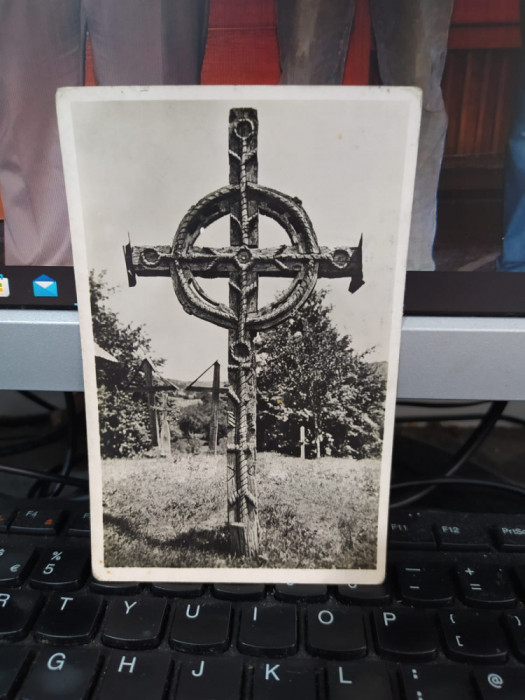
point(195, 418)
point(123, 416)
point(308, 374)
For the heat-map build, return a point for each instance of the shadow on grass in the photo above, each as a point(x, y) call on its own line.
point(213, 542)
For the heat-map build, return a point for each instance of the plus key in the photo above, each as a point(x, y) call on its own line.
point(485, 586)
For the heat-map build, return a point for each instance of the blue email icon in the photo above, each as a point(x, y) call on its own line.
point(45, 286)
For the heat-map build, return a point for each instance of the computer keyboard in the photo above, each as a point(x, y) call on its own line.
point(449, 622)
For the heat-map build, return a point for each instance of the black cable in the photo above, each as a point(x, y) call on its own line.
point(458, 481)
point(42, 489)
point(10, 440)
point(38, 400)
point(29, 419)
point(67, 464)
point(473, 442)
point(33, 444)
point(38, 489)
point(44, 476)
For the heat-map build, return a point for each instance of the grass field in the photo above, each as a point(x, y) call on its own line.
point(168, 513)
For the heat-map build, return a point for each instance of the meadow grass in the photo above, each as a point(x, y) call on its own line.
point(172, 513)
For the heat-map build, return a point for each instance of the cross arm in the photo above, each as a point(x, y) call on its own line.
point(284, 261)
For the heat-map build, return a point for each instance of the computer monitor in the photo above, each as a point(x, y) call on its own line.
point(464, 329)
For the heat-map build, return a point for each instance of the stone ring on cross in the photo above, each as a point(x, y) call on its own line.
point(243, 261)
point(299, 258)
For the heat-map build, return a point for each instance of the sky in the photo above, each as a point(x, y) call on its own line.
point(136, 160)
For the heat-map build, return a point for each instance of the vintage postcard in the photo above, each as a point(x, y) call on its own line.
point(240, 259)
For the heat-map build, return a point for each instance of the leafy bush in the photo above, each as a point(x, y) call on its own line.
point(309, 375)
point(123, 415)
point(124, 427)
point(195, 418)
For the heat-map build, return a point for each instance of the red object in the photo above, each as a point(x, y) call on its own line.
point(242, 44)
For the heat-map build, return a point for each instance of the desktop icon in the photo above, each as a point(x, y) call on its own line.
point(4, 286)
point(45, 286)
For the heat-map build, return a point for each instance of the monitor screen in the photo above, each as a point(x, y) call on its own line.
point(464, 299)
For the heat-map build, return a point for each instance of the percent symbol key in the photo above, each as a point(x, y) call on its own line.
point(64, 570)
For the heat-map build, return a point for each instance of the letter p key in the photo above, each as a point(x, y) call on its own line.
point(388, 618)
point(405, 635)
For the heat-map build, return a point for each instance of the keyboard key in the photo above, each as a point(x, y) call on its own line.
point(405, 634)
point(507, 683)
point(15, 564)
point(207, 679)
point(353, 681)
point(335, 631)
point(114, 587)
point(366, 595)
point(410, 532)
point(69, 619)
point(61, 675)
point(485, 586)
point(519, 576)
point(134, 623)
point(246, 591)
point(181, 590)
point(295, 592)
point(457, 535)
point(425, 585)
point(515, 625)
point(13, 663)
point(136, 677)
point(268, 629)
point(62, 570)
point(6, 516)
point(37, 522)
point(284, 680)
point(473, 636)
point(80, 525)
point(510, 538)
point(201, 626)
point(18, 610)
point(436, 683)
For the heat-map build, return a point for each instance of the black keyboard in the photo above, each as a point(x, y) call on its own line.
point(449, 622)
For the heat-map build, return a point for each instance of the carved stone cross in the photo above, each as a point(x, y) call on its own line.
point(242, 262)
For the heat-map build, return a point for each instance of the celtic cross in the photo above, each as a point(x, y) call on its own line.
point(243, 262)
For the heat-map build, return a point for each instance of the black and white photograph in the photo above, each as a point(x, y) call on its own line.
point(239, 259)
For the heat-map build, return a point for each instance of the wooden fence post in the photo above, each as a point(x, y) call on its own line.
point(214, 419)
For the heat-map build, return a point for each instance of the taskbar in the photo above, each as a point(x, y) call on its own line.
point(37, 287)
